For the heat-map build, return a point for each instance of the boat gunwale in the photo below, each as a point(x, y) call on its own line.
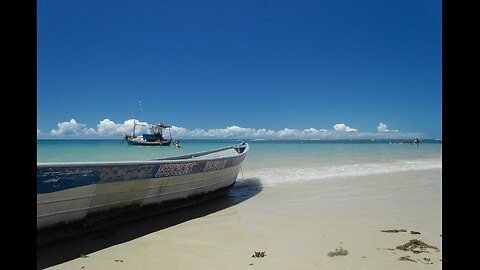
point(176, 159)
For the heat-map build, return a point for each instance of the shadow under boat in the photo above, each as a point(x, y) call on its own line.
point(71, 248)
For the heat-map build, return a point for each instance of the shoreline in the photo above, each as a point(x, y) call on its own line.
point(296, 225)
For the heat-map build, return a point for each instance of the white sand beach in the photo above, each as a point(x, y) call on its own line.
point(295, 224)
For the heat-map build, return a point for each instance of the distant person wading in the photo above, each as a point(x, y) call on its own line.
point(416, 141)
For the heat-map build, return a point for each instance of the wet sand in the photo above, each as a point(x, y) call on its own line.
point(365, 222)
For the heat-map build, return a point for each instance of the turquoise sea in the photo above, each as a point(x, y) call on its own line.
point(271, 161)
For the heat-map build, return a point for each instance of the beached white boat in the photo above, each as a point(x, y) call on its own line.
point(81, 196)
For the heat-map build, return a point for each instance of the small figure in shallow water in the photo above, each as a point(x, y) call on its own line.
point(416, 141)
point(176, 144)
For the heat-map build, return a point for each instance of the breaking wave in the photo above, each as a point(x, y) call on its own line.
point(278, 175)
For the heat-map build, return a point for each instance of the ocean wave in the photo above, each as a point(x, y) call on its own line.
point(279, 175)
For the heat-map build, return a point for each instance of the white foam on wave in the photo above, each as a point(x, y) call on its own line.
point(279, 175)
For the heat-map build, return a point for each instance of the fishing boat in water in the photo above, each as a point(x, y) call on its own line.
point(155, 137)
point(78, 197)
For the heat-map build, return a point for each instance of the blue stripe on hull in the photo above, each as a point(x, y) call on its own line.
point(56, 178)
point(164, 143)
point(50, 179)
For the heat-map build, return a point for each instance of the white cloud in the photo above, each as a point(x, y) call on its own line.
point(107, 128)
point(230, 132)
point(384, 128)
point(288, 133)
point(263, 133)
point(180, 131)
point(343, 127)
point(71, 128)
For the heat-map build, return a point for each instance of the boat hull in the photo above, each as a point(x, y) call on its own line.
point(89, 196)
point(136, 141)
point(95, 222)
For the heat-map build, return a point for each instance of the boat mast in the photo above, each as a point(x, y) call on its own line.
point(138, 114)
point(134, 127)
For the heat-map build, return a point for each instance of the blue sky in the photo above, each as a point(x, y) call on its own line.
point(266, 69)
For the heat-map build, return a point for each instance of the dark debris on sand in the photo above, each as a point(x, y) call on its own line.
point(338, 252)
point(427, 261)
point(406, 258)
point(416, 246)
point(259, 254)
point(394, 231)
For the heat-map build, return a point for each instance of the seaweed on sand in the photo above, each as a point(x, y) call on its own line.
point(259, 254)
point(416, 246)
point(406, 258)
point(338, 252)
point(394, 231)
